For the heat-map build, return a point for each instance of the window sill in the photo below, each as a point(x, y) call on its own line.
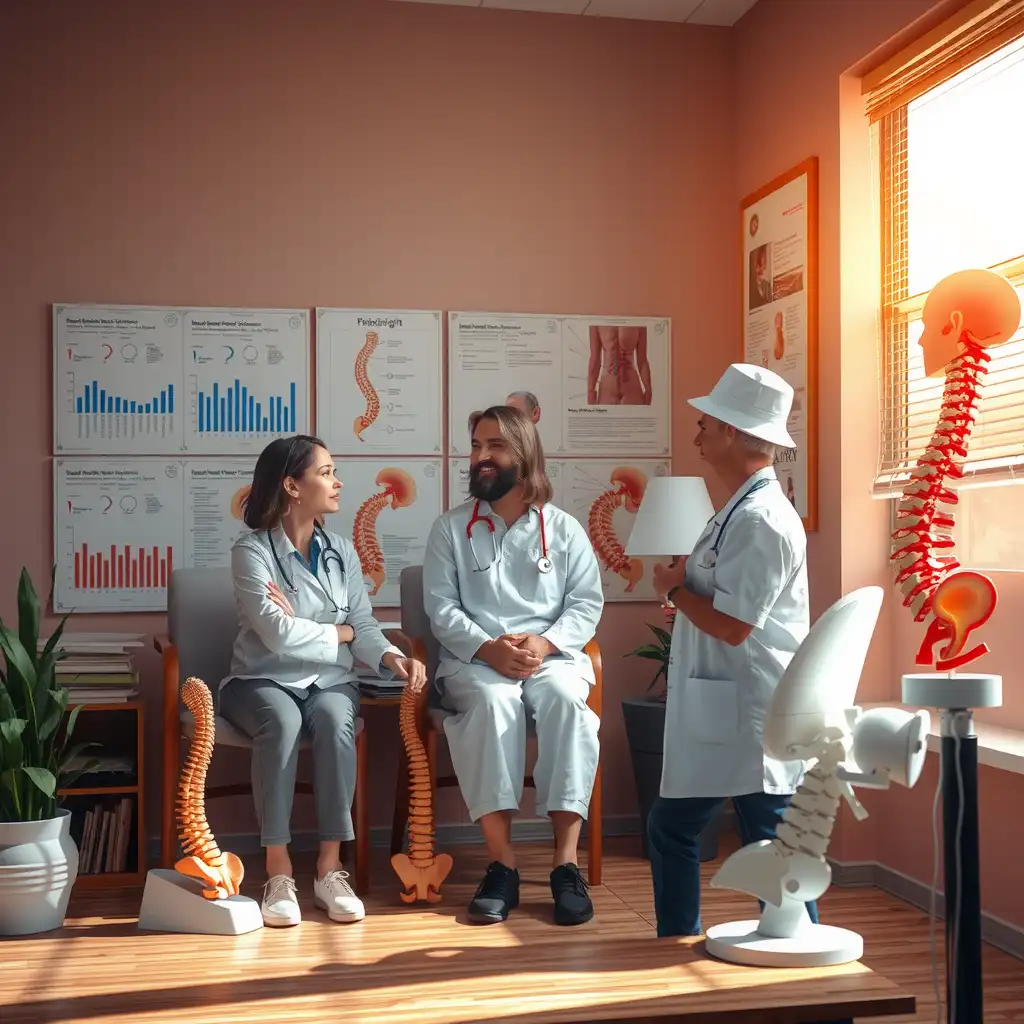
point(998, 747)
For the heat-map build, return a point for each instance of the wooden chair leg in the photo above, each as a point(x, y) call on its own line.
point(170, 770)
point(594, 827)
point(360, 816)
point(401, 811)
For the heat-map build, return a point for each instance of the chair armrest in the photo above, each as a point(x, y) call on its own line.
point(171, 681)
point(400, 640)
point(596, 699)
point(162, 642)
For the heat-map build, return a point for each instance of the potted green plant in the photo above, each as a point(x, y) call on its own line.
point(38, 857)
point(645, 733)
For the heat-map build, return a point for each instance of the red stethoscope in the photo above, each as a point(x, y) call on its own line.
point(544, 564)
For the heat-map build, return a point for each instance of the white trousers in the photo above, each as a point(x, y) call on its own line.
point(487, 738)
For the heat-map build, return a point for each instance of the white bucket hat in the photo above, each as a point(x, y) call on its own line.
point(752, 399)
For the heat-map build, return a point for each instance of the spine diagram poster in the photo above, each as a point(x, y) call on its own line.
point(117, 533)
point(117, 380)
point(247, 378)
point(780, 314)
point(603, 496)
point(387, 508)
point(593, 385)
point(214, 494)
point(378, 381)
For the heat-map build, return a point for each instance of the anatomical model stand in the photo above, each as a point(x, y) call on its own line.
point(201, 894)
point(964, 315)
point(420, 870)
point(813, 718)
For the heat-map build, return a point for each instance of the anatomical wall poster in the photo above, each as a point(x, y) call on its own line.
point(593, 385)
point(387, 507)
point(780, 314)
point(378, 381)
point(603, 496)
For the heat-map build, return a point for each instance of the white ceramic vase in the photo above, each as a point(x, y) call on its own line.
point(38, 867)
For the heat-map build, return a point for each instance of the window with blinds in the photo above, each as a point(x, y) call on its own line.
point(950, 156)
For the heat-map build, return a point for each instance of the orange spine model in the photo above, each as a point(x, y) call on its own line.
point(399, 490)
point(421, 870)
point(631, 484)
point(965, 314)
point(222, 872)
point(367, 418)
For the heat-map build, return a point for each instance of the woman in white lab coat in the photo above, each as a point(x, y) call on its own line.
point(304, 616)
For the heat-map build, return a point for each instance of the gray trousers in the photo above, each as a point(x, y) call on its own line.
point(275, 718)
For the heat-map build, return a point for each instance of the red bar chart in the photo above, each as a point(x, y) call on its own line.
point(124, 568)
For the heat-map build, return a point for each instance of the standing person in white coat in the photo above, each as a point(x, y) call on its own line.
point(513, 592)
point(304, 616)
point(742, 611)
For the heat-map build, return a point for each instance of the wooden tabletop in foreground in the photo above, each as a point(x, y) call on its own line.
point(265, 976)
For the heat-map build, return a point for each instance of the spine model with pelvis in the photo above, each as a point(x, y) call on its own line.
point(399, 491)
point(421, 870)
point(221, 872)
point(628, 489)
point(965, 314)
point(366, 419)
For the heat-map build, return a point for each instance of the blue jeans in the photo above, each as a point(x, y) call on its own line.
point(672, 830)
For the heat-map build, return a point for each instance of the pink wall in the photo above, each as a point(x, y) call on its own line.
point(356, 153)
point(822, 112)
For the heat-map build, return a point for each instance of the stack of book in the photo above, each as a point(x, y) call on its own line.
point(97, 668)
point(104, 845)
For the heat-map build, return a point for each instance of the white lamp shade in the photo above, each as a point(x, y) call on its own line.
point(672, 516)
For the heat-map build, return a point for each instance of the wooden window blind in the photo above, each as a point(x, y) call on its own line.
point(973, 33)
point(949, 164)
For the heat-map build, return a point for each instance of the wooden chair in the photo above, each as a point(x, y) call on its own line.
point(416, 627)
point(202, 620)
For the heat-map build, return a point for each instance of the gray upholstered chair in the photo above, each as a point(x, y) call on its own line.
point(202, 621)
point(416, 627)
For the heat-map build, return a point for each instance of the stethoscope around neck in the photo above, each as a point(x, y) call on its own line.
point(327, 551)
point(764, 482)
point(544, 564)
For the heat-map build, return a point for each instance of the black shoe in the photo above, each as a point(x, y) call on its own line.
point(569, 889)
point(496, 895)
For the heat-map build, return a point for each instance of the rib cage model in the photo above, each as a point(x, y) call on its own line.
point(629, 492)
point(965, 314)
point(221, 872)
point(421, 870)
point(399, 491)
point(369, 417)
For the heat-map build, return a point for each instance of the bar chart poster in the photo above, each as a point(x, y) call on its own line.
point(246, 377)
point(215, 493)
point(117, 533)
point(117, 378)
point(378, 381)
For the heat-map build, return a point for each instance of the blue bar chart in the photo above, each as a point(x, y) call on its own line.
point(91, 398)
point(233, 410)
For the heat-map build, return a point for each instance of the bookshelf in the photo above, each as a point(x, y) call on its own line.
point(112, 852)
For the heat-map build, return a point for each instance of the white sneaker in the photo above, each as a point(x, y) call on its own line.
point(280, 905)
point(333, 894)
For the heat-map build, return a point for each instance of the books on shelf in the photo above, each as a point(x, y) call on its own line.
point(105, 838)
point(97, 668)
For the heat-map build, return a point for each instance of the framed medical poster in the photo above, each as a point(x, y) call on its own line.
point(779, 225)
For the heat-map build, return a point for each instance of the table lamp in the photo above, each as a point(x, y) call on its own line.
point(672, 516)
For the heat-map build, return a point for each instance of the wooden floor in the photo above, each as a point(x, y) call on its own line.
point(100, 968)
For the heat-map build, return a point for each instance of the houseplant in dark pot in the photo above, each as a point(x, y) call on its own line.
point(38, 857)
point(645, 732)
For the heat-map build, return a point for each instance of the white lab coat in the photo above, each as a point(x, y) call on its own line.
point(304, 649)
point(473, 592)
point(719, 695)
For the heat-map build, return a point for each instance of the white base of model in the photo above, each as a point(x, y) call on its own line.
point(814, 945)
point(173, 902)
point(955, 690)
